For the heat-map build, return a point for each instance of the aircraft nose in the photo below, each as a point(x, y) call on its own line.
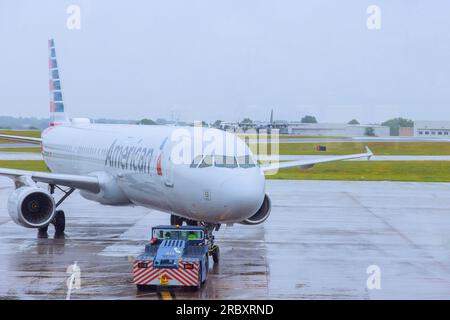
point(244, 195)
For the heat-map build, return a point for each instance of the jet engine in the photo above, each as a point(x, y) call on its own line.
point(31, 207)
point(262, 214)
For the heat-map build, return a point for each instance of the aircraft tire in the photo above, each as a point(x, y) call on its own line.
point(59, 222)
point(42, 232)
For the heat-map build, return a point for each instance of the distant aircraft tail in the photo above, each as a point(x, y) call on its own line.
point(58, 115)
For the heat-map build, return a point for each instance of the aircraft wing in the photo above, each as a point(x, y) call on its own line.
point(311, 162)
point(21, 139)
point(88, 183)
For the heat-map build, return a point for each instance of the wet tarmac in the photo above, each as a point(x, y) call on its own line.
point(317, 244)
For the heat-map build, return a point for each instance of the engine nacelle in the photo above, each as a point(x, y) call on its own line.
point(262, 214)
point(110, 192)
point(31, 207)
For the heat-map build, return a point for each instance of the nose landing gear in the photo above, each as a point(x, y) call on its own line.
point(215, 253)
point(178, 221)
point(213, 249)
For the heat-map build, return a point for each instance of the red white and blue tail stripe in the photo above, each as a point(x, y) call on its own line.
point(58, 115)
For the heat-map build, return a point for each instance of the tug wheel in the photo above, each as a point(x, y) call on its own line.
point(207, 268)
point(200, 281)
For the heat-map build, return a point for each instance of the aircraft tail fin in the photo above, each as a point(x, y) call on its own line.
point(57, 112)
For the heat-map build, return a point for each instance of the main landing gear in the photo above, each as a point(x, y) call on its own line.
point(59, 220)
point(213, 249)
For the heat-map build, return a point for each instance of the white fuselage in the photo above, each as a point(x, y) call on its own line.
point(134, 166)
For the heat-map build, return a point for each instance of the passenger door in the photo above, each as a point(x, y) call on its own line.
point(168, 173)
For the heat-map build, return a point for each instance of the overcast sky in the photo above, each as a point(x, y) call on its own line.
point(229, 59)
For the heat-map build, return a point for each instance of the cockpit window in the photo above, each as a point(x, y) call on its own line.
point(207, 162)
point(196, 161)
point(225, 162)
point(245, 162)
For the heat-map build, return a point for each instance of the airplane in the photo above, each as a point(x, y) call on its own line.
point(122, 165)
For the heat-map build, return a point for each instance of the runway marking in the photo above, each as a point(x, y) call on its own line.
point(166, 295)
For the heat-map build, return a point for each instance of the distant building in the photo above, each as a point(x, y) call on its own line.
point(309, 129)
point(359, 130)
point(435, 129)
point(406, 131)
point(233, 126)
point(280, 125)
point(336, 129)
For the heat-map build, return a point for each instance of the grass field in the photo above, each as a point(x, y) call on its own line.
point(37, 150)
point(25, 133)
point(427, 171)
point(378, 148)
point(33, 165)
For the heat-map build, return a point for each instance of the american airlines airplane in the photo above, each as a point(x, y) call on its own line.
point(136, 165)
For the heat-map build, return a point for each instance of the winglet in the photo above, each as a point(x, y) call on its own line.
point(369, 153)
